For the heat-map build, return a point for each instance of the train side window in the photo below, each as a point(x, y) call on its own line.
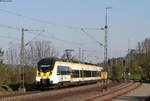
point(92, 74)
point(82, 73)
point(95, 73)
point(75, 73)
point(63, 70)
point(87, 73)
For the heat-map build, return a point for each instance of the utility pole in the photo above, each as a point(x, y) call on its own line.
point(106, 38)
point(82, 56)
point(22, 59)
point(79, 54)
point(128, 58)
point(105, 43)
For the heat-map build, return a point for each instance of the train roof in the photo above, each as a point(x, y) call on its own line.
point(54, 59)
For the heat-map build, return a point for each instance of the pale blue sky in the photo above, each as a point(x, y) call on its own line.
point(128, 19)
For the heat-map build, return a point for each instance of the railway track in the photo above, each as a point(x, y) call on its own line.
point(113, 94)
point(55, 93)
point(103, 92)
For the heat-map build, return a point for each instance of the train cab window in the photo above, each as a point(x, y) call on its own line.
point(63, 70)
point(46, 64)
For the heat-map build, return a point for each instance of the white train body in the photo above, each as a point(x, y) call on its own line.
point(60, 72)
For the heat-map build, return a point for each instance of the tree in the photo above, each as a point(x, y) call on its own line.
point(1, 56)
point(141, 60)
point(38, 50)
point(33, 53)
point(12, 55)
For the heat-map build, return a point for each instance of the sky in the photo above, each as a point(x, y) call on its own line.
point(62, 20)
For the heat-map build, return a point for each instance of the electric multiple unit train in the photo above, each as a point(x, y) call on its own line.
point(55, 71)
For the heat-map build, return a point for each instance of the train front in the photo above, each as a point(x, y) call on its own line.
point(44, 71)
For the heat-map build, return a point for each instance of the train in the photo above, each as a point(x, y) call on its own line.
point(54, 71)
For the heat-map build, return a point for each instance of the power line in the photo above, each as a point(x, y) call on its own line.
point(62, 40)
point(45, 36)
point(37, 20)
point(34, 38)
point(46, 22)
point(52, 37)
point(15, 28)
point(27, 17)
point(86, 28)
point(91, 37)
point(8, 37)
point(10, 27)
point(58, 39)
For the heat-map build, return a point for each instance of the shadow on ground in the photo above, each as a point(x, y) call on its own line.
point(134, 98)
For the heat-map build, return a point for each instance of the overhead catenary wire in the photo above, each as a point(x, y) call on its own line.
point(9, 37)
point(54, 24)
point(19, 29)
point(46, 22)
point(34, 38)
point(15, 28)
point(87, 28)
point(24, 16)
point(59, 39)
point(91, 37)
point(10, 27)
point(37, 20)
point(62, 40)
point(51, 23)
point(45, 36)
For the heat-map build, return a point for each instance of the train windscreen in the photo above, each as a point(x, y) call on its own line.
point(46, 65)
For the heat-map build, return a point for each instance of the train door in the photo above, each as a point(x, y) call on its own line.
point(59, 74)
point(66, 73)
point(63, 73)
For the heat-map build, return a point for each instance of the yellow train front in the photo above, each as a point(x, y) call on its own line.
point(55, 71)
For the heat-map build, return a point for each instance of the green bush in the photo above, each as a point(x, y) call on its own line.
point(118, 71)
